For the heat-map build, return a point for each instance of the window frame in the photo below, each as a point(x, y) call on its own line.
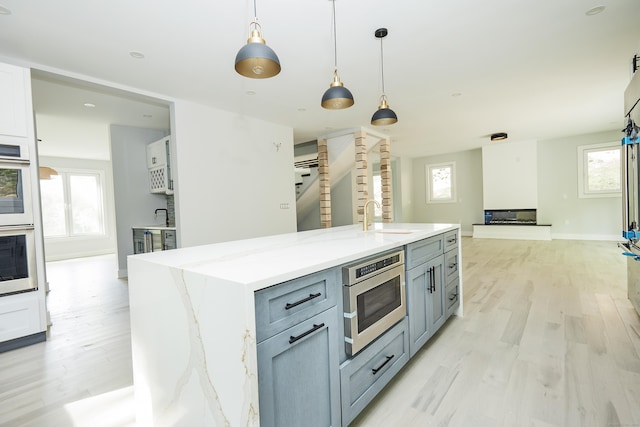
point(65, 174)
point(583, 170)
point(429, 186)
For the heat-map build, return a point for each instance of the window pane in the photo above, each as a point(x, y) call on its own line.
point(52, 196)
point(603, 170)
point(441, 183)
point(86, 206)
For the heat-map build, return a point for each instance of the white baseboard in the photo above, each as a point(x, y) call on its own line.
point(603, 237)
point(123, 273)
point(71, 255)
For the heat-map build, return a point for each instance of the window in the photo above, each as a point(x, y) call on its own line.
point(599, 172)
point(441, 183)
point(72, 204)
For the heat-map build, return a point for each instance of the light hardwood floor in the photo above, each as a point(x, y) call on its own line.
point(548, 339)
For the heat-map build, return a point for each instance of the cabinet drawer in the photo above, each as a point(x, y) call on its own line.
point(450, 240)
point(364, 376)
point(452, 296)
point(282, 306)
point(451, 265)
point(424, 250)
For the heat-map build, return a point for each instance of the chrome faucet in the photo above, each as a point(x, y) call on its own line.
point(365, 222)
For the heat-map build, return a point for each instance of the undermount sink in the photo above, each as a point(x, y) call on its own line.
point(394, 231)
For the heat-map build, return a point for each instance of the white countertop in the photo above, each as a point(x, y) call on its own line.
point(152, 227)
point(265, 261)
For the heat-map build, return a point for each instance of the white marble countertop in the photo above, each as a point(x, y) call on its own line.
point(152, 227)
point(265, 261)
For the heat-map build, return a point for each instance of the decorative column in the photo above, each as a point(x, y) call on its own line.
point(362, 187)
point(325, 184)
point(385, 173)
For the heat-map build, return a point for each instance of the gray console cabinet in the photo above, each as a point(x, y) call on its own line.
point(425, 290)
point(298, 363)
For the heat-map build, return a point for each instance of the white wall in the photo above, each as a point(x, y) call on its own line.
point(558, 203)
point(467, 210)
point(510, 175)
point(231, 177)
point(73, 247)
point(134, 203)
point(557, 183)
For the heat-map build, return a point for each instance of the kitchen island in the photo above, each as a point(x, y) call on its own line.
point(193, 319)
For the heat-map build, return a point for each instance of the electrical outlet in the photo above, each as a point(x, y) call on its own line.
point(284, 205)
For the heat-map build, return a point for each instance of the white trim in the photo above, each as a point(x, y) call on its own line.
point(428, 168)
point(583, 150)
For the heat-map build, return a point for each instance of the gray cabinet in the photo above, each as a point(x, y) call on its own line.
point(425, 301)
point(364, 376)
point(452, 275)
point(298, 364)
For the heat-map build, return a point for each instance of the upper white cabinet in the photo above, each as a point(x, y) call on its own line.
point(159, 165)
point(13, 100)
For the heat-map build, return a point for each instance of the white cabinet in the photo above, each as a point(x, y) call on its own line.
point(13, 100)
point(19, 316)
point(159, 165)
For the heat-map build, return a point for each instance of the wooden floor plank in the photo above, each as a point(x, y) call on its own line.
point(549, 339)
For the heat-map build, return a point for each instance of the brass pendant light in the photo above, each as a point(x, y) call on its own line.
point(337, 97)
point(384, 115)
point(257, 60)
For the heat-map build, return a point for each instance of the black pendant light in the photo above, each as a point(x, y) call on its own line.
point(384, 115)
point(337, 97)
point(257, 60)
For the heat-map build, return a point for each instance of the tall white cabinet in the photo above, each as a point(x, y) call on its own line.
point(23, 316)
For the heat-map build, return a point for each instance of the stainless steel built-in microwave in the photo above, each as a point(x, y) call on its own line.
point(374, 299)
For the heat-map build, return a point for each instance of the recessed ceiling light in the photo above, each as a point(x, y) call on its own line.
point(4, 11)
point(89, 105)
point(136, 55)
point(250, 92)
point(147, 116)
point(456, 94)
point(594, 11)
point(302, 109)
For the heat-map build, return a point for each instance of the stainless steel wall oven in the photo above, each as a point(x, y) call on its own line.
point(17, 236)
point(17, 260)
point(374, 298)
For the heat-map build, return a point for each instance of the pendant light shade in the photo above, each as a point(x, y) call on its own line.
point(384, 115)
point(256, 60)
point(337, 97)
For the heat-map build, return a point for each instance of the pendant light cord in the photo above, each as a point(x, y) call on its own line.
point(335, 38)
point(255, 11)
point(382, 65)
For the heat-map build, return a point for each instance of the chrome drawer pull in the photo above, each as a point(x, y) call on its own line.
point(293, 339)
point(376, 370)
point(453, 265)
point(302, 301)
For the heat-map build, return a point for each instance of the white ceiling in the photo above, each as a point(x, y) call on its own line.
point(536, 69)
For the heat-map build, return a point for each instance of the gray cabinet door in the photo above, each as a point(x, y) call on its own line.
point(426, 306)
point(298, 375)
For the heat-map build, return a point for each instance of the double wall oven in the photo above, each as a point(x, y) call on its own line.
point(17, 241)
point(373, 298)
